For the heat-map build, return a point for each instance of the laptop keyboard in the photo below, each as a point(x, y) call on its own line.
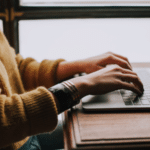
point(131, 98)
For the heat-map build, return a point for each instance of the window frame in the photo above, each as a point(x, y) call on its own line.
point(4, 17)
point(43, 12)
point(2, 5)
point(67, 12)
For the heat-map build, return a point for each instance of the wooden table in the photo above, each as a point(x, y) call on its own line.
point(128, 130)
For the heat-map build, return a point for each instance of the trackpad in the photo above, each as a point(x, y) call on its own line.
point(109, 100)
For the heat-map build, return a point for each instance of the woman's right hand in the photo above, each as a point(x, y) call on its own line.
point(110, 78)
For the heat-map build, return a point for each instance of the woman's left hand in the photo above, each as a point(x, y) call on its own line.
point(98, 62)
point(66, 69)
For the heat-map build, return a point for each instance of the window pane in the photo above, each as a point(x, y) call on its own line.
point(85, 2)
point(1, 25)
point(81, 38)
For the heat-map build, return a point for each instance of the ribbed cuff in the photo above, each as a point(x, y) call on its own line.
point(55, 69)
point(41, 110)
point(47, 72)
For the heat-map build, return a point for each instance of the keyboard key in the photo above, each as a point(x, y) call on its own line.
point(148, 94)
point(131, 98)
point(128, 103)
point(145, 102)
point(146, 91)
point(143, 98)
point(137, 101)
point(128, 98)
point(129, 95)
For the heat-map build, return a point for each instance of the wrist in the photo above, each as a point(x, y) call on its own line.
point(65, 94)
point(80, 65)
point(82, 85)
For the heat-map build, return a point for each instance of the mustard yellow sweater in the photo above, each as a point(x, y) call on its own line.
point(26, 106)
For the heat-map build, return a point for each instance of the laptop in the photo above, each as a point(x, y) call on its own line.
point(121, 100)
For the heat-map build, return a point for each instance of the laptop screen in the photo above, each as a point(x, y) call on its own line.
point(73, 39)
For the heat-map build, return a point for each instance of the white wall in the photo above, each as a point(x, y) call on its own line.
point(81, 38)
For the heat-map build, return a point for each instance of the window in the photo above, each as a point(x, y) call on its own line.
point(81, 38)
point(73, 26)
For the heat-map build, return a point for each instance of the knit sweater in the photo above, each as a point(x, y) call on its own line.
point(26, 106)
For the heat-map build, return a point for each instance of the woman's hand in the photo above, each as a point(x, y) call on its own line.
point(98, 62)
point(66, 69)
point(110, 78)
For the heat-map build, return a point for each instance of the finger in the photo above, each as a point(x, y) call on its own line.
point(120, 62)
point(122, 57)
point(124, 71)
point(130, 76)
point(134, 79)
point(130, 86)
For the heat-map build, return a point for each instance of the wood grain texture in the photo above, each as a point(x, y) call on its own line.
point(70, 141)
point(114, 126)
point(90, 141)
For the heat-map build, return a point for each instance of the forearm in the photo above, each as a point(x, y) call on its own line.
point(66, 70)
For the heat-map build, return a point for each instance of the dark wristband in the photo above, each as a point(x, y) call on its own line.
point(63, 95)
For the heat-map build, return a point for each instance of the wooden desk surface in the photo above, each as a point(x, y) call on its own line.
point(107, 130)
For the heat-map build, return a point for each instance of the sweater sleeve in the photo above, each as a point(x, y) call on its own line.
point(36, 74)
point(26, 114)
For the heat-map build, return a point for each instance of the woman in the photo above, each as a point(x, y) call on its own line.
point(33, 94)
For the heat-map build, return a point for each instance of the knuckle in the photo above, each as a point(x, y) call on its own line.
point(116, 68)
point(109, 52)
point(136, 78)
point(126, 58)
point(126, 64)
point(118, 83)
point(135, 73)
point(110, 56)
point(119, 74)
